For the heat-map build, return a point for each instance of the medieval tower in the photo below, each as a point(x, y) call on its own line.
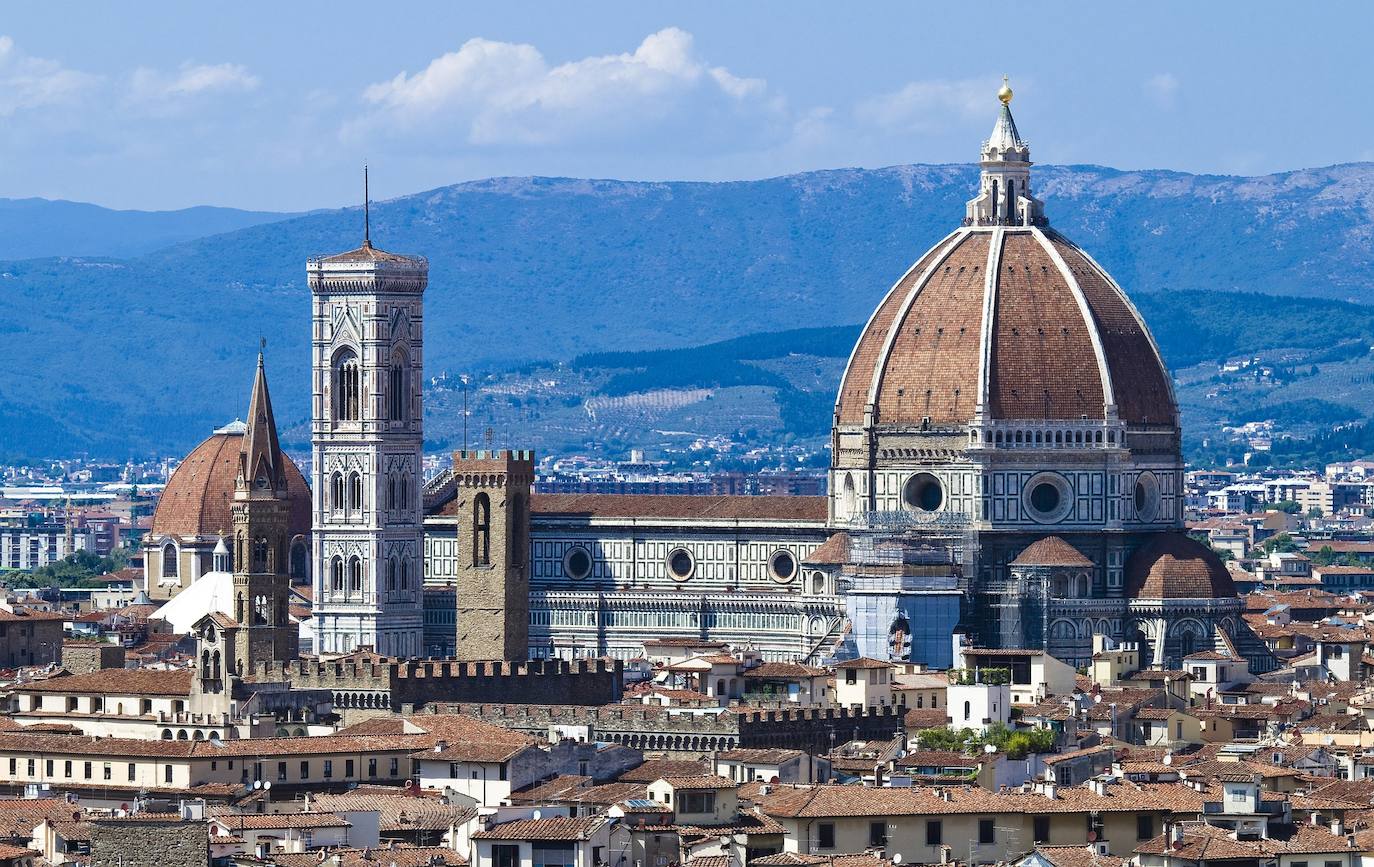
point(492, 504)
point(367, 414)
point(261, 514)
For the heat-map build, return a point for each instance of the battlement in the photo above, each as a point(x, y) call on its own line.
point(491, 461)
point(418, 683)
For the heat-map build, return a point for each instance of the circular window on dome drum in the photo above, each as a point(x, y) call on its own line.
point(681, 564)
point(1146, 497)
point(577, 563)
point(1047, 497)
point(923, 493)
point(782, 566)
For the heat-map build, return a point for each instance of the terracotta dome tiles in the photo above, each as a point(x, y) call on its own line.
point(1043, 363)
point(196, 501)
point(932, 368)
point(1052, 334)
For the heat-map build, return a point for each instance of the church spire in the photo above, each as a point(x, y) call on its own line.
point(1004, 196)
point(259, 456)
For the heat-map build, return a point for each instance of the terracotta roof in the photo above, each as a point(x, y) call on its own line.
point(832, 800)
point(919, 354)
point(784, 670)
point(679, 506)
point(118, 681)
point(197, 498)
point(1077, 856)
point(561, 828)
point(1175, 566)
point(862, 662)
point(397, 809)
point(700, 781)
point(262, 821)
point(759, 755)
point(833, 552)
point(19, 816)
point(657, 769)
point(1051, 551)
point(369, 253)
point(400, 856)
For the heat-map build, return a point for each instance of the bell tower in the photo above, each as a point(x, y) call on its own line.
point(367, 419)
point(260, 512)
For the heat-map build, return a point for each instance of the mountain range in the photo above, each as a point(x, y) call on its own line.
point(120, 350)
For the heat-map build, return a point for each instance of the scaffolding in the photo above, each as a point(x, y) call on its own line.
point(906, 584)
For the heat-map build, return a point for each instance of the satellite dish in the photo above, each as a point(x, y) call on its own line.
point(897, 858)
point(989, 748)
point(267, 785)
point(257, 784)
point(1168, 758)
point(537, 814)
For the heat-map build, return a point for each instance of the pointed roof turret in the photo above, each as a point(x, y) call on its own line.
point(260, 453)
point(1004, 133)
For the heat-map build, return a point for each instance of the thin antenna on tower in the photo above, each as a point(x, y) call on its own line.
point(367, 211)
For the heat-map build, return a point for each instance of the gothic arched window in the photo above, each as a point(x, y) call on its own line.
point(169, 560)
point(205, 665)
point(398, 390)
point(336, 489)
point(347, 387)
point(391, 575)
point(404, 579)
point(355, 492)
point(403, 492)
point(481, 530)
point(391, 491)
point(214, 665)
point(260, 554)
point(355, 575)
point(336, 574)
point(300, 561)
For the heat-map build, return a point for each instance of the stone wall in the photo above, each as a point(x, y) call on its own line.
point(682, 732)
point(413, 686)
point(82, 657)
point(133, 842)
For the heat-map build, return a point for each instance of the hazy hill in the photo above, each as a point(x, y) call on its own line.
point(30, 228)
point(150, 352)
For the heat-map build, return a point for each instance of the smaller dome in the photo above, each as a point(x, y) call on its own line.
point(198, 497)
point(1052, 551)
point(1175, 566)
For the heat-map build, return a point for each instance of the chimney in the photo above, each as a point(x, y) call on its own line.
point(1337, 827)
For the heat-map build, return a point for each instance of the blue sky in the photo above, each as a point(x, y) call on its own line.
point(274, 106)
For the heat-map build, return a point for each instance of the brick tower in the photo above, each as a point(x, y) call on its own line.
point(492, 503)
point(261, 513)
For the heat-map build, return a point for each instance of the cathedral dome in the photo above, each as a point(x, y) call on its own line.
point(1049, 337)
point(197, 498)
point(1175, 566)
point(1005, 320)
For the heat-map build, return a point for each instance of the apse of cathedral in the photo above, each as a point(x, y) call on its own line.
point(1006, 474)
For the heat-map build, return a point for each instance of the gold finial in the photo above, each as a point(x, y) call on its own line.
point(1005, 93)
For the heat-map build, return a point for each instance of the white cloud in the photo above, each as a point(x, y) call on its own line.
point(33, 82)
point(928, 106)
point(492, 93)
point(1162, 89)
point(151, 85)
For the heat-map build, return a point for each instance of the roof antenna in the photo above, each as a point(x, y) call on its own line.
point(367, 211)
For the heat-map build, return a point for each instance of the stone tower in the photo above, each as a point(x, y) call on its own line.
point(367, 414)
point(492, 503)
point(261, 513)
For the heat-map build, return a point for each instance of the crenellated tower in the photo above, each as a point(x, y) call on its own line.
point(366, 434)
